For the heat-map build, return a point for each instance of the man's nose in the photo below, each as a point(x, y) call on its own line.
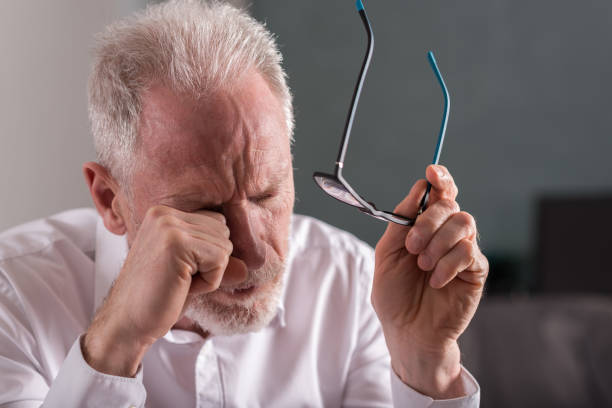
point(245, 235)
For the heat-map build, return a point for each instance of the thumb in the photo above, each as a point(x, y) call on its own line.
point(235, 272)
point(395, 234)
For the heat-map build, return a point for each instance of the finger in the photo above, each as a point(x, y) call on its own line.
point(209, 259)
point(408, 207)
point(443, 186)
point(235, 272)
point(478, 271)
point(158, 211)
point(205, 219)
point(208, 237)
point(210, 273)
point(428, 223)
point(457, 260)
point(195, 216)
point(459, 226)
point(168, 217)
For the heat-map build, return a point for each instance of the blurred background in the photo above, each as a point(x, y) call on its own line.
point(528, 143)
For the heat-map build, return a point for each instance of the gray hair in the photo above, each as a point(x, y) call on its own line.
point(193, 47)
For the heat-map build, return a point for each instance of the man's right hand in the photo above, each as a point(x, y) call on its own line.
point(173, 254)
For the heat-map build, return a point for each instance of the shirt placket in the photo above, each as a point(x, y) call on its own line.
point(209, 389)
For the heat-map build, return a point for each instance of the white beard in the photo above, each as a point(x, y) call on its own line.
point(219, 313)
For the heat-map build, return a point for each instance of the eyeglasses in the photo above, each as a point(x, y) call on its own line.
point(335, 185)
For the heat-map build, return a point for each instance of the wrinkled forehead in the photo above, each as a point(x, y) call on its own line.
point(241, 130)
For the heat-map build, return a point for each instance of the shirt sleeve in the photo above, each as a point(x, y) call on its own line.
point(79, 385)
point(405, 396)
point(21, 383)
point(26, 380)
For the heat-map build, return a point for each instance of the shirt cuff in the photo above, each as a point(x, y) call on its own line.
point(404, 396)
point(79, 385)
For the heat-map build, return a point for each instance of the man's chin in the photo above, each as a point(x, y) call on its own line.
point(226, 312)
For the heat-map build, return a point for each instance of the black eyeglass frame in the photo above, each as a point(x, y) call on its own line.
point(329, 182)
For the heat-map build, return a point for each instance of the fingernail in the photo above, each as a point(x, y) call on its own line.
point(440, 173)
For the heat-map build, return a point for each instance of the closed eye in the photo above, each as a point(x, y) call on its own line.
point(262, 198)
point(216, 208)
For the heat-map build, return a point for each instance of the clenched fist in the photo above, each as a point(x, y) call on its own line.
point(174, 254)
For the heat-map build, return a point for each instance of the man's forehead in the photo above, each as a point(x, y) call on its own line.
point(246, 112)
point(230, 140)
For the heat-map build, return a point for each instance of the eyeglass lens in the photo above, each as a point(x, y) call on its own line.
point(335, 189)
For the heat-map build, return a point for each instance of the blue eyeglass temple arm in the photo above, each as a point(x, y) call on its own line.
point(436, 157)
point(357, 93)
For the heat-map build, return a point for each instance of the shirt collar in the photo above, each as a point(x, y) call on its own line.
point(111, 251)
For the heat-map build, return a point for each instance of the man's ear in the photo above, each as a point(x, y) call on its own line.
point(104, 191)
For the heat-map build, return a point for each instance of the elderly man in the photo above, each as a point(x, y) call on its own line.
point(194, 284)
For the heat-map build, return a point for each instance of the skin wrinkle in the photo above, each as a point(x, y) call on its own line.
point(223, 153)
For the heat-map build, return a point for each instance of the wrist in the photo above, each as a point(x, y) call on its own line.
point(432, 372)
point(113, 352)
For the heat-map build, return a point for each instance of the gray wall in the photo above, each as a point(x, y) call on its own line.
point(529, 82)
point(44, 133)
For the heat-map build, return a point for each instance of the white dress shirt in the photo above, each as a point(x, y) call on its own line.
point(324, 347)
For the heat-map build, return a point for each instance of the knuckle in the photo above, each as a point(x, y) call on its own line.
point(212, 280)
point(220, 256)
point(469, 218)
point(444, 267)
point(186, 270)
point(481, 261)
point(450, 205)
point(224, 247)
point(443, 168)
point(467, 248)
point(156, 211)
point(466, 220)
point(217, 216)
point(455, 190)
point(229, 246)
point(218, 269)
point(422, 228)
point(485, 265)
point(164, 219)
point(226, 231)
point(167, 222)
point(173, 237)
point(222, 218)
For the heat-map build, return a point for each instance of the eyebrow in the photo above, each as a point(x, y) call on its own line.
point(197, 199)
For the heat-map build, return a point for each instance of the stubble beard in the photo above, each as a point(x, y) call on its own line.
point(223, 313)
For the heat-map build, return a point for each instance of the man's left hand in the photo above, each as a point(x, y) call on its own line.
point(428, 282)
